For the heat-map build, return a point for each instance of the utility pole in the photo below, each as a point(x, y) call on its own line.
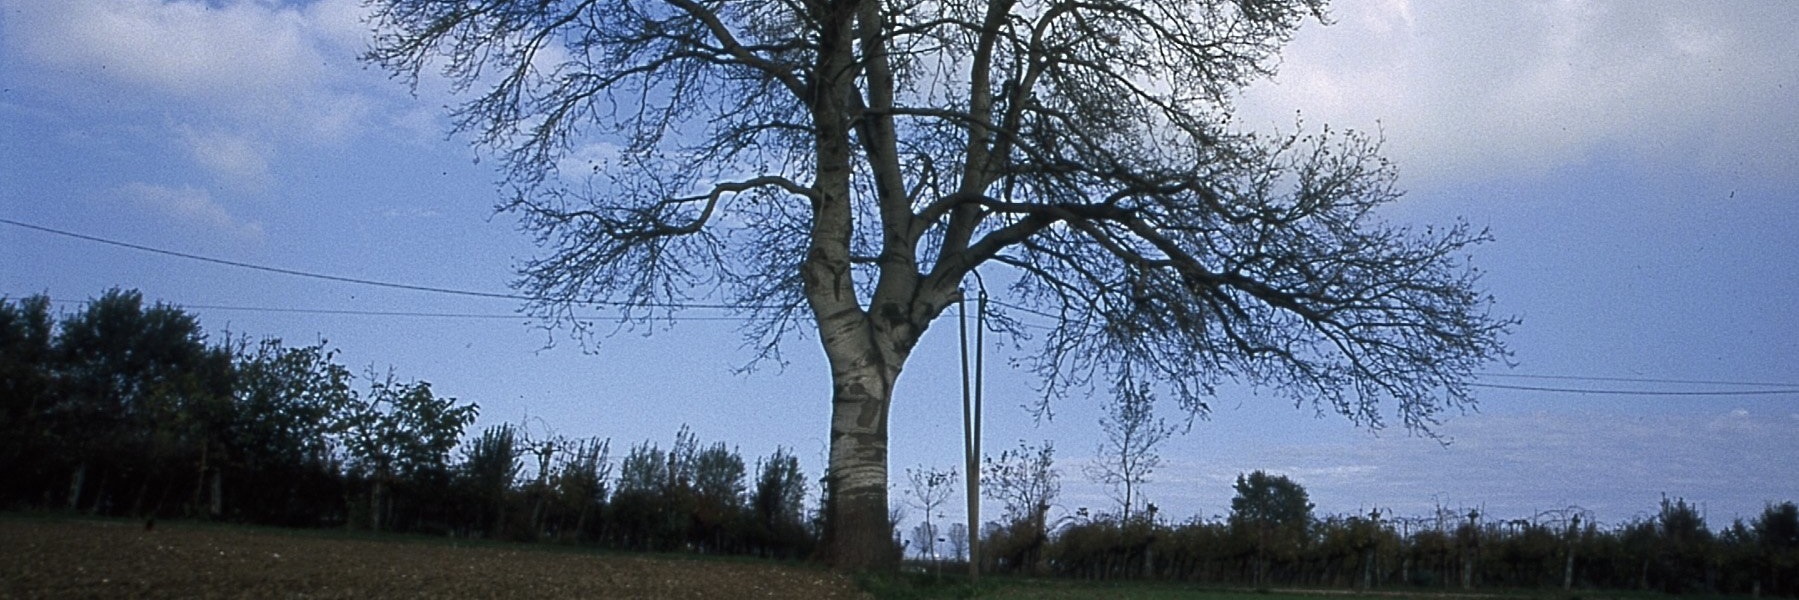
point(971, 423)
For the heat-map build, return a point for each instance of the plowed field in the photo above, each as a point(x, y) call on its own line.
point(112, 559)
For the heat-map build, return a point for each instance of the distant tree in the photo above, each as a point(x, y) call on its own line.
point(719, 490)
point(128, 374)
point(490, 466)
point(637, 505)
point(1274, 513)
point(291, 403)
point(581, 485)
point(928, 490)
point(924, 540)
point(29, 458)
point(843, 166)
point(1777, 532)
point(1026, 482)
point(958, 541)
point(1024, 479)
point(1684, 546)
point(201, 417)
point(779, 504)
point(401, 431)
point(1128, 456)
point(679, 499)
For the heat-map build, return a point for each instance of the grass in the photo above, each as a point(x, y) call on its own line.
point(48, 556)
point(111, 541)
point(920, 586)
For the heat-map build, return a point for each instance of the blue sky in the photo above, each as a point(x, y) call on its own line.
point(1638, 163)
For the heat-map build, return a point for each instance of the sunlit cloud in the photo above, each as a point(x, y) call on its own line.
point(1479, 90)
point(235, 80)
point(231, 52)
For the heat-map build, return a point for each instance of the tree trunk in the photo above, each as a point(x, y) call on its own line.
point(859, 534)
point(377, 504)
point(75, 484)
point(1568, 570)
point(217, 509)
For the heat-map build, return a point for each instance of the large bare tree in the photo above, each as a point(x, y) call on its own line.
point(842, 165)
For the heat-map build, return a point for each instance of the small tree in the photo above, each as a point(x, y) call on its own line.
point(1128, 456)
point(1684, 546)
point(779, 504)
point(924, 540)
point(401, 431)
point(958, 541)
point(1026, 482)
point(1777, 532)
point(719, 491)
point(637, 500)
point(928, 490)
point(490, 467)
point(291, 403)
point(580, 483)
point(1274, 513)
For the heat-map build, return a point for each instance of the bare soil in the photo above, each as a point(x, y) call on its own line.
point(116, 559)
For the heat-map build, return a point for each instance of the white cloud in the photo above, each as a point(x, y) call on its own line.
point(193, 50)
point(235, 159)
point(191, 206)
point(248, 75)
point(1474, 90)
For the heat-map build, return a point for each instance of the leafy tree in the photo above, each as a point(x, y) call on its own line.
point(1684, 545)
point(1026, 483)
point(637, 501)
point(290, 403)
point(128, 373)
point(200, 415)
point(581, 484)
point(401, 431)
point(779, 504)
point(490, 467)
point(844, 165)
point(1777, 531)
point(1128, 456)
point(1274, 512)
point(28, 371)
point(718, 490)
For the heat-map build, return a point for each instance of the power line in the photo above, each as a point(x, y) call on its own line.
point(412, 287)
point(361, 281)
point(1788, 388)
point(378, 313)
point(1643, 380)
point(1532, 388)
point(245, 265)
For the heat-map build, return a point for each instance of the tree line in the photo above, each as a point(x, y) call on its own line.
point(1273, 538)
point(127, 410)
point(124, 409)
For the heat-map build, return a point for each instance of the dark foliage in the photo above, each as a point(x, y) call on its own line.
point(125, 410)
